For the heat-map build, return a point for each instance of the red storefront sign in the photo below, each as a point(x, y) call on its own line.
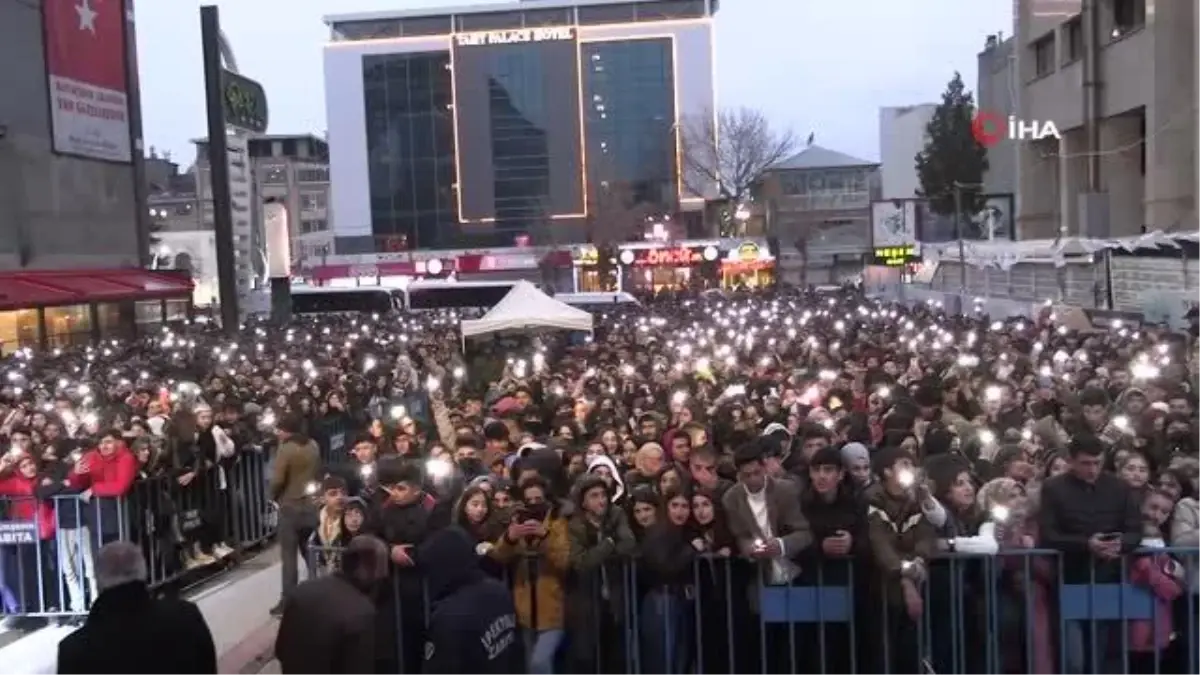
point(670, 257)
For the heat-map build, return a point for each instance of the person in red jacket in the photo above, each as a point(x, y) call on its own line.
point(109, 470)
point(106, 474)
point(30, 552)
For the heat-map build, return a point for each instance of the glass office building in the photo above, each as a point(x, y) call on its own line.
point(410, 147)
point(629, 123)
point(487, 127)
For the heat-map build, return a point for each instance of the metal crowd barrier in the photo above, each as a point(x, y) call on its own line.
point(1008, 613)
point(48, 546)
point(335, 442)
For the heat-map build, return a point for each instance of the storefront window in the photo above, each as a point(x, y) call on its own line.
point(18, 328)
point(111, 325)
point(747, 275)
point(177, 310)
point(148, 313)
point(67, 326)
point(593, 279)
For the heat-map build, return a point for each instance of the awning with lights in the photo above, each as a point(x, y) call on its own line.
point(26, 289)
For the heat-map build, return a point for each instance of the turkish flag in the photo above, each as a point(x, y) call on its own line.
point(85, 41)
point(85, 70)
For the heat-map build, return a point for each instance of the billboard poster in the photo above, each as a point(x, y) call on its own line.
point(85, 70)
point(893, 223)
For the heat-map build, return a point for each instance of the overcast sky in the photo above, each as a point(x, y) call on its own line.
point(820, 66)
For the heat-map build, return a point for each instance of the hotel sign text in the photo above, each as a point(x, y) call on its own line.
point(514, 36)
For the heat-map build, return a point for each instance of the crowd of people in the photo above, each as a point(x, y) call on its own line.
point(658, 495)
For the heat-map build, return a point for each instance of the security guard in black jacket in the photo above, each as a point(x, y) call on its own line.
point(473, 626)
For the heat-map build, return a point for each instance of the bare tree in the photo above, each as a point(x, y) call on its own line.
point(730, 151)
point(615, 214)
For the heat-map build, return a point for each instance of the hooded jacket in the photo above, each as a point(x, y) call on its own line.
point(618, 490)
point(473, 624)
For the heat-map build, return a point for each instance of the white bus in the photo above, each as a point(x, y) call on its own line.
point(324, 300)
point(436, 294)
point(597, 301)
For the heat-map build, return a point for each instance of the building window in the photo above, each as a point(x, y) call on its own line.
point(18, 328)
point(1127, 16)
point(792, 183)
point(1043, 56)
point(313, 201)
point(1073, 40)
point(148, 312)
point(426, 25)
point(668, 10)
point(602, 14)
point(410, 148)
point(274, 175)
point(547, 17)
point(67, 326)
point(313, 225)
point(312, 175)
point(489, 21)
point(629, 120)
point(177, 310)
point(367, 30)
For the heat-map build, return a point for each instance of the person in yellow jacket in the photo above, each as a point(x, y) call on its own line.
point(538, 544)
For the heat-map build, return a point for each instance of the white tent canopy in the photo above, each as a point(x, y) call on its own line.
point(526, 308)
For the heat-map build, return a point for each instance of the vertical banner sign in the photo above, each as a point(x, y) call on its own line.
point(241, 201)
point(85, 69)
point(279, 247)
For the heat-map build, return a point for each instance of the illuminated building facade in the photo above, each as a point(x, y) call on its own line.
point(499, 125)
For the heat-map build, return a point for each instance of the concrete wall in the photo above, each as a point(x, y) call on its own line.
point(1148, 71)
point(901, 137)
point(55, 212)
point(997, 92)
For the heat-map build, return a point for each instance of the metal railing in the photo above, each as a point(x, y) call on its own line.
point(1008, 613)
point(48, 545)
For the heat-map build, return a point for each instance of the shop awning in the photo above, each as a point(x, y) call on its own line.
point(42, 288)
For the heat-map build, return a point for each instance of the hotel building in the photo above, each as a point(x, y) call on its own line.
point(504, 125)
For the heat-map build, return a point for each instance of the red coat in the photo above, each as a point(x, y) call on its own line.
point(1150, 572)
point(110, 476)
point(27, 507)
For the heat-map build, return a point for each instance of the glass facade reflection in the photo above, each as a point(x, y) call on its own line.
point(629, 118)
point(518, 136)
point(410, 141)
point(520, 151)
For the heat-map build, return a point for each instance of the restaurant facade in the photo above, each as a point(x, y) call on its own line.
point(680, 264)
point(47, 309)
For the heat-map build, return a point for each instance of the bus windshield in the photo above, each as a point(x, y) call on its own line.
point(452, 295)
point(376, 300)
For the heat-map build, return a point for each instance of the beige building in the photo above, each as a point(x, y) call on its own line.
point(818, 205)
point(292, 169)
point(1139, 159)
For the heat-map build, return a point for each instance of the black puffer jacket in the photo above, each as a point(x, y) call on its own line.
point(473, 625)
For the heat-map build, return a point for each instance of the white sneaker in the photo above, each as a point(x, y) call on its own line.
point(221, 551)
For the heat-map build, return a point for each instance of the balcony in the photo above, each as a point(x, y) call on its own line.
point(825, 201)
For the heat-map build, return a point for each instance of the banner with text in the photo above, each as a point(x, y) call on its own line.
point(85, 68)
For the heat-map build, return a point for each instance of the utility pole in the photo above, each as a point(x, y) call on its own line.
point(958, 234)
point(218, 164)
point(1094, 217)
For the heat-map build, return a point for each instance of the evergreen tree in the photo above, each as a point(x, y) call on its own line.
point(952, 155)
